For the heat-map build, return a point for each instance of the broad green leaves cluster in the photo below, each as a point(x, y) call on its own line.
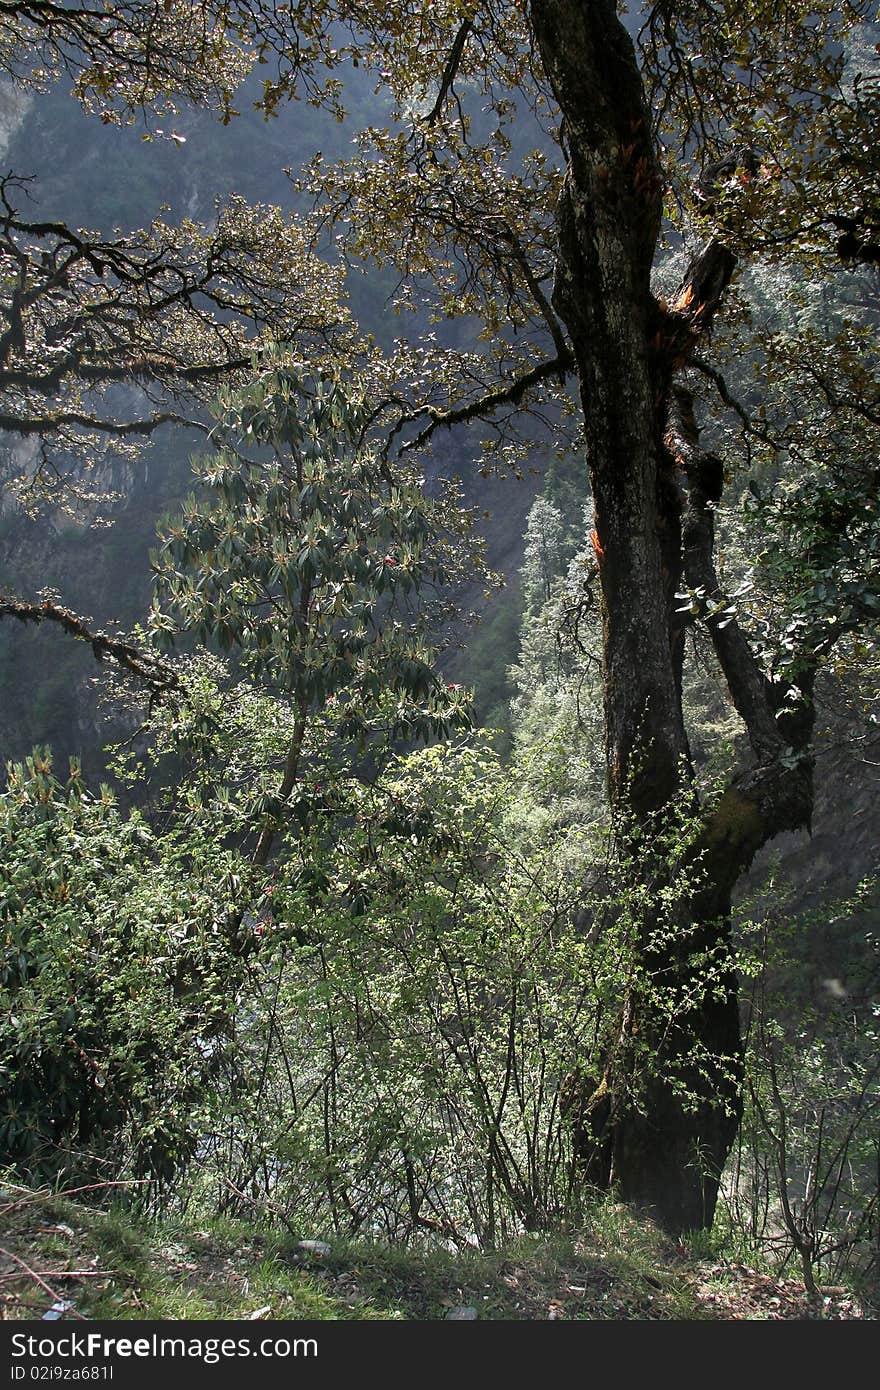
point(315, 558)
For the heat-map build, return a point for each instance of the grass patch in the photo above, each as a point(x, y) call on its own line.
point(111, 1264)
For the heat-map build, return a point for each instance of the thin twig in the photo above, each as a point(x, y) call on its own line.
point(67, 1274)
point(32, 1274)
point(267, 1208)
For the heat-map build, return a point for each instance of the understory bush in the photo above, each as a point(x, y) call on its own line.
point(803, 1185)
point(430, 990)
point(421, 991)
point(379, 1033)
point(117, 984)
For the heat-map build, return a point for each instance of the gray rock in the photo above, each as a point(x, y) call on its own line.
point(315, 1247)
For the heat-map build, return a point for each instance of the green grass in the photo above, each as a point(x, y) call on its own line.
point(112, 1264)
point(125, 1268)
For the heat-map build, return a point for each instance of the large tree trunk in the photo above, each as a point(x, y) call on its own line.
point(659, 1134)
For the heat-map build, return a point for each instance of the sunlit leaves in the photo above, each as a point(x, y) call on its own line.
point(794, 84)
point(117, 979)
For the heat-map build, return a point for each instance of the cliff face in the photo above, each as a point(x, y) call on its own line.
point(14, 107)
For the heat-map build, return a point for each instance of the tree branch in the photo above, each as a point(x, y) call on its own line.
point(487, 404)
point(697, 301)
point(156, 675)
point(776, 793)
point(749, 428)
point(41, 425)
point(176, 307)
point(751, 691)
point(450, 71)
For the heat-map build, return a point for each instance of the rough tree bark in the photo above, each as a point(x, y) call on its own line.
point(660, 1136)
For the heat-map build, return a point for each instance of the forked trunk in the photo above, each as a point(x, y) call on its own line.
point(660, 1123)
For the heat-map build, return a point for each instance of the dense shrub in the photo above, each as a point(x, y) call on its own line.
point(117, 978)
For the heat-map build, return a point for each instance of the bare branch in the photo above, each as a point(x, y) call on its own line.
point(453, 63)
point(483, 406)
point(155, 674)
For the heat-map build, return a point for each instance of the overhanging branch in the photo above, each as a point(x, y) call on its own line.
point(158, 677)
point(485, 405)
point(44, 424)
